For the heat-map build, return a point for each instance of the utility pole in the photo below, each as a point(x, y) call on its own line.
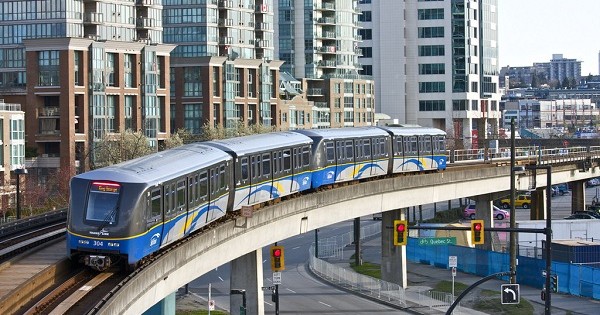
point(513, 235)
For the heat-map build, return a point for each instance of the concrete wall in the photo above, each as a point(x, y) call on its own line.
point(233, 239)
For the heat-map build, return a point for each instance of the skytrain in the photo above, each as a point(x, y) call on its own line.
point(121, 214)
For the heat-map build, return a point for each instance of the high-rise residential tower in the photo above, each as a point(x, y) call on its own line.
point(82, 70)
point(435, 63)
point(318, 41)
point(223, 72)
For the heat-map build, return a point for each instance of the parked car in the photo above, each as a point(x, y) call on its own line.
point(592, 182)
point(577, 216)
point(470, 210)
point(523, 201)
point(560, 189)
point(594, 214)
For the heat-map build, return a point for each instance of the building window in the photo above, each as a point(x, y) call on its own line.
point(48, 68)
point(432, 87)
point(192, 83)
point(431, 68)
point(366, 70)
point(348, 87)
point(128, 70)
point(459, 104)
point(474, 86)
point(431, 50)
point(431, 32)
point(367, 52)
point(216, 80)
point(432, 105)
point(348, 101)
point(110, 69)
point(366, 16)
point(431, 14)
point(78, 67)
point(366, 33)
point(192, 118)
point(128, 111)
point(474, 105)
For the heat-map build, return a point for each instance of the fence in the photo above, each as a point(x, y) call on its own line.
point(575, 279)
point(333, 249)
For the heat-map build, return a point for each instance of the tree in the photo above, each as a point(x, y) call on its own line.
point(534, 80)
point(116, 148)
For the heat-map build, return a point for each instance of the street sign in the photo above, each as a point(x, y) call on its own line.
point(452, 261)
point(247, 211)
point(510, 294)
point(276, 277)
point(437, 241)
point(211, 305)
point(543, 273)
point(454, 271)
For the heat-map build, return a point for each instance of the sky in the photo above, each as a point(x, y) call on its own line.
point(532, 30)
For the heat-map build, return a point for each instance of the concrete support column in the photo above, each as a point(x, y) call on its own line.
point(538, 204)
point(247, 274)
point(393, 258)
point(165, 307)
point(578, 196)
point(485, 212)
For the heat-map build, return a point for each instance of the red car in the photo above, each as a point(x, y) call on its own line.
point(500, 214)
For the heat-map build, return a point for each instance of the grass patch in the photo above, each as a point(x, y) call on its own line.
point(493, 306)
point(367, 268)
point(202, 312)
point(446, 286)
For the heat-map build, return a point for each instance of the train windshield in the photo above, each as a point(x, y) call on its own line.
point(102, 203)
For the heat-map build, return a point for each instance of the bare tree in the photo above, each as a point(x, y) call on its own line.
point(116, 148)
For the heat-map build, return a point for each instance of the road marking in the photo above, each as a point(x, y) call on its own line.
point(268, 303)
point(325, 304)
point(296, 247)
point(290, 290)
point(221, 279)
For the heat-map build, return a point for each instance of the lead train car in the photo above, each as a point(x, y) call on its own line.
point(267, 166)
point(127, 211)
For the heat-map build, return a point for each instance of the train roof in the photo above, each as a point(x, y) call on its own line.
point(342, 133)
point(414, 131)
point(260, 142)
point(160, 166)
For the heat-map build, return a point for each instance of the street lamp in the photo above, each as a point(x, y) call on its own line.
point(19, 172)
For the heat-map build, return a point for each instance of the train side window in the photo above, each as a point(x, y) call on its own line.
point(367, 148)
point(358, 149)
point(287, 160)
point(382, 142)
point(306, 156)
point(222, 176)
point(154, 211)
point(191, 191)
point(349, 149)
point(413, 145)
point(406, 142)
point(203, 185)
point(180, 195)
point(441, 144)
point(339, 145)
point(330, 151)
point(196, 189)
point(266, 164)
point(398, 146)
point(244, 168)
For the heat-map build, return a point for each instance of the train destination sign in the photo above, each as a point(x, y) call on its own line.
point(437, 241)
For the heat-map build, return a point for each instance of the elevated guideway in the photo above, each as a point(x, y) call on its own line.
point(234, 239)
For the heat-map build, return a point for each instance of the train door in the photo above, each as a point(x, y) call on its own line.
point(425, 152)
point(243, 181)
point(302, 179)
point(398, 154)
point(283, 178)
point(169, 193)
point(154, 220)
point(411, 156)
point(217, 187)
point(345, 160)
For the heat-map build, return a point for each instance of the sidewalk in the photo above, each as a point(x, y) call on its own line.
point(422, 278)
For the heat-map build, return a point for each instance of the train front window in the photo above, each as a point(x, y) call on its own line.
point(102, 205)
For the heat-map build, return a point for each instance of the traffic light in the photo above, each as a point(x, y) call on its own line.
point(277, 259)
point(400, 232)
point(477, 232)
point(554, 283)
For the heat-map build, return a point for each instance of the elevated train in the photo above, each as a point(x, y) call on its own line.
point(123, 213)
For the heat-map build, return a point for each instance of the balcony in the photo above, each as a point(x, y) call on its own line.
point(228, 4)
point(49, 112)
point(314, 92)
point(327, 64)
point(93, 18)
point(146, 23)
point(261, 43)
point(326, 20)
point(225, 40)
point(326, 49)
point(225, 22)
point(147, 3)
point(325, 7)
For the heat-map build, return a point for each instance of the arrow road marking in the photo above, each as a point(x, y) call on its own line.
point(507, 290)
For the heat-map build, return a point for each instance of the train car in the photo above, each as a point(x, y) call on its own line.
point(125, 212)
point(417, 148)
point(345, 154)
point(267, 166)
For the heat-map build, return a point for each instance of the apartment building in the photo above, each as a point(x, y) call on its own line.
point(435, 63)
point(318, 42)
point(82, 70)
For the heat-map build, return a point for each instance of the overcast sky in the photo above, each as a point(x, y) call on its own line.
point(532, 30)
